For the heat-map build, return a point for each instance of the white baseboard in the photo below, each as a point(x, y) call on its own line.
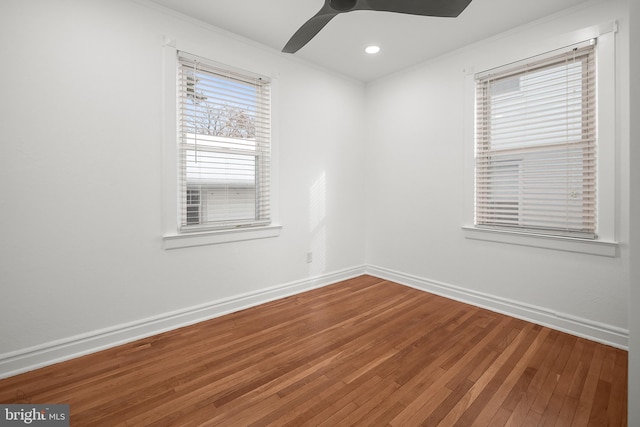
point(58, 351)
point(585, 328)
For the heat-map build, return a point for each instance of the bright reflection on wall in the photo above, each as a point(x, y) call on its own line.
point(317, 225)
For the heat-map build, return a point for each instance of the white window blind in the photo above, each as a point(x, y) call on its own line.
point(224, 146)
point(536, 146)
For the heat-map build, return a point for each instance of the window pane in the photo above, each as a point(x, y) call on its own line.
point(535, 153)
point(225, 136)
point(543, 107)
point(219, 106)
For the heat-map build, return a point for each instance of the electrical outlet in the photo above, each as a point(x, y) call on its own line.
point(309, 257)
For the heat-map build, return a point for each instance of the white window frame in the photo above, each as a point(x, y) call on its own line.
point(605, 244)
point(172, 236)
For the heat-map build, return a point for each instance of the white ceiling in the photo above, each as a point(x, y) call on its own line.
point(405, 40)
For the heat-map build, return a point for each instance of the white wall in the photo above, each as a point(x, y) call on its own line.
point(81, 171)
point(416, 191)
point(634, 300)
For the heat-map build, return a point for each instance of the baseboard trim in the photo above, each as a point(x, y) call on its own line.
point(28, 359)
point(585, 328)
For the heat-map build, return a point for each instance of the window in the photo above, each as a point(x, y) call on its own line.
point(224, 130)
point(535, 153)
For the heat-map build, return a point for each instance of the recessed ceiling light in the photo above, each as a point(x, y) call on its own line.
point(372, 49)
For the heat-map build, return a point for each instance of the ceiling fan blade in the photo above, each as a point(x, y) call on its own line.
point(331, 8)
point(442, 8)
point(309, 29)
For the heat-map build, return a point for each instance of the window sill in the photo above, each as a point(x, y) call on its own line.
point(559, 243)
point(204, 238)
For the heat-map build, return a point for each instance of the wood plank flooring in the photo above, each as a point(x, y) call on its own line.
point(360, 352)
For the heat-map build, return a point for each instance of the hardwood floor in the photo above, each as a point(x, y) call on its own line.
point(360, 352)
